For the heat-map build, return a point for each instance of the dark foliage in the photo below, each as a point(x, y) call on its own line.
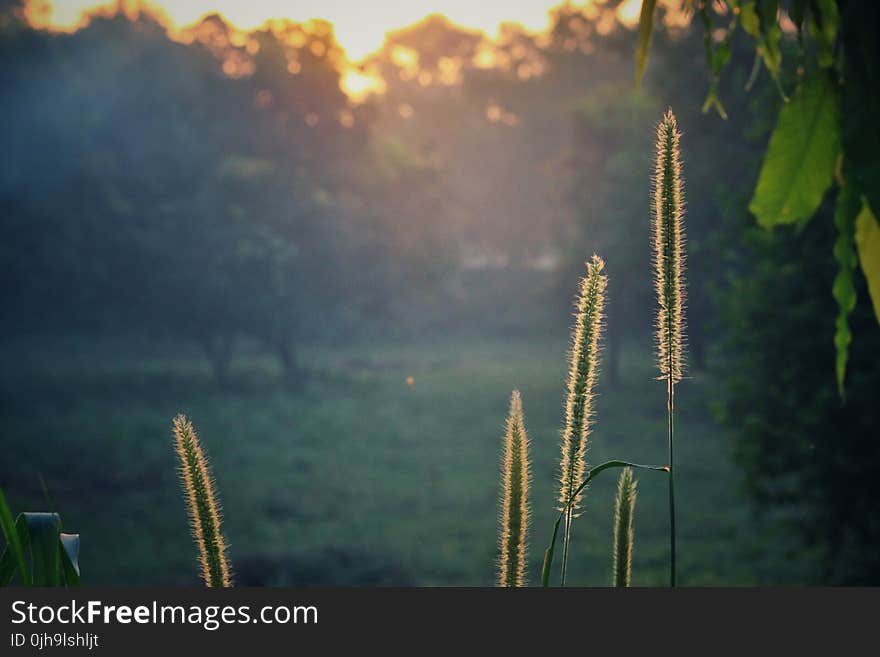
point(808, 458)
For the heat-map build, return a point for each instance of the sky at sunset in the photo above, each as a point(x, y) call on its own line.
point(360, 26)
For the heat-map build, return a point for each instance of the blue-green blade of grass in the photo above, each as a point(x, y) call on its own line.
point(8, 563)
point(13, 555)
point(69, 546)
point(44, 530)
point(548, 554)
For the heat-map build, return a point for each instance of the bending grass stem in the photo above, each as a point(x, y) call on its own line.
point(565, 513)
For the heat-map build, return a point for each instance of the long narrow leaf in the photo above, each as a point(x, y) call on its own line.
point(13, 555)
point(548, 554)
point(844, 289)
point(8, 564)
point(44, 530)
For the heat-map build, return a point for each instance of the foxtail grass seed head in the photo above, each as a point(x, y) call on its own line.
point(202, 505)
point(582, 375)
point(624, 507)
point(667, 218)
point(515, 478)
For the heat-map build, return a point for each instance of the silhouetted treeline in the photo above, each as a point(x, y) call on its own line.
point(219, 184)
point(148, 186)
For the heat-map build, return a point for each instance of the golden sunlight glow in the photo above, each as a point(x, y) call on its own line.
point(486, 57)
point(628, 12)
point(360, 26)
point(358, 84)
point(404, 57)
point(360, 29)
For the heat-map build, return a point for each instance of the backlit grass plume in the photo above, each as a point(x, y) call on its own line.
point(624, 506)
point(579, 402)
point(514, 498)
point(668, 236)
point(202, 505)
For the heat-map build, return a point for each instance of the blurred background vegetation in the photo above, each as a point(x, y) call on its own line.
point(341, 290)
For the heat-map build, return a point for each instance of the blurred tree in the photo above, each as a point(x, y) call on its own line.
point(193, 189)
point(824, 136)
point(808, 459)
point(611, 169)
point(806, 454)
point(611, 164)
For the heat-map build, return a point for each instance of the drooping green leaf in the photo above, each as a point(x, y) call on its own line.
point(868, 242)
point(844, 289)
point(36, 540)
point(646, 24)
point(13, 554)
point(70, 558)
point(44, 530)
point(799, 164)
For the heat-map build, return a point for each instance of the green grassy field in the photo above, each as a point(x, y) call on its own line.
point(360, 478)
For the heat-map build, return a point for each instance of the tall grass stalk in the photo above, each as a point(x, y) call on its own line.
point(668, 237)
point(202, 505)
point(515, 479)
point(624, 508)
point(583, 371)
